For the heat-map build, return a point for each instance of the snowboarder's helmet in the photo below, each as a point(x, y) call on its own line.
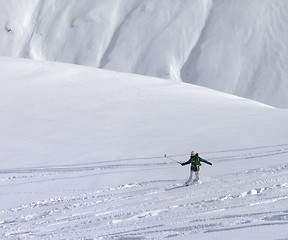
point(193, 153)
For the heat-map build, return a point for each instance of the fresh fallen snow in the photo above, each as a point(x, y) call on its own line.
point(82, 157)
point(238, 47)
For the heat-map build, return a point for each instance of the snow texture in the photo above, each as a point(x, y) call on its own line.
point(238, 47)
point(82, 157)
point(89, 148)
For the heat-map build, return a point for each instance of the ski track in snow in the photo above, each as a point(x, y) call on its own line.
point(257, 197)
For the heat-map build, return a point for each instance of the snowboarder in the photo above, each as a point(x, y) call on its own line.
point(195, 161)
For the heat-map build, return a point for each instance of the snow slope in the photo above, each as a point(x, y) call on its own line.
point(238, 47)
point(82, 157)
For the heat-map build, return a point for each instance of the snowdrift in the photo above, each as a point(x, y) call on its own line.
point(237, 47)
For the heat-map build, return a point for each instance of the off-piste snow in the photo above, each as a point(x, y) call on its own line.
point(238, 47)
point(83, 157)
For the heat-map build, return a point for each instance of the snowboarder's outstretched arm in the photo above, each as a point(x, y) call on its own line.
point(205, 161)
point(185, 163)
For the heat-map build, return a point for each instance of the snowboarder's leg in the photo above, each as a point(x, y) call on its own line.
point(189, 179)
point(197, 176)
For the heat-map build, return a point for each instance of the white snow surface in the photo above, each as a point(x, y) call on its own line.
point(82, 157)
point(238, 47)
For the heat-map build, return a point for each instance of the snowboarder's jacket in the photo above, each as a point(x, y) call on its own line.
point(195, 161)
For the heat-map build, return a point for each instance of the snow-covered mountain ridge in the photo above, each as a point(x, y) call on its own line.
point(238, 47)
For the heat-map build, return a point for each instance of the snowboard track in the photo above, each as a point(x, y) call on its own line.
point(143, 210)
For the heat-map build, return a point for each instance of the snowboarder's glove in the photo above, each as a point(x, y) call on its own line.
point(209, 163)
point(182, 164)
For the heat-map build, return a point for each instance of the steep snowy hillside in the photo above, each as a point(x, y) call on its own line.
point(238, 47)
point(82, 157)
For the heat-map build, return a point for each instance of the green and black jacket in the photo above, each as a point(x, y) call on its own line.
point(195, 161)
